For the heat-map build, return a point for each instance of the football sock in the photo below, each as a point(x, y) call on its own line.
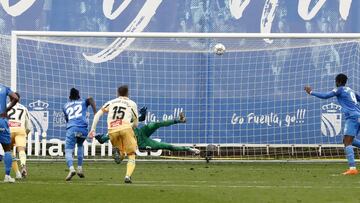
point(349, 151)
point(130, 165)
point(7, 162)
point(22, 157)
point(69, 157)
point(15, 166)
point(80, 155)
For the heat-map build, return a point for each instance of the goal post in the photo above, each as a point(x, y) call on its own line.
point(246, 104)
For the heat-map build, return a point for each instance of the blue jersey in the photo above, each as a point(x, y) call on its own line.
point(347, 99)
point(4, 92)
point(75, 113)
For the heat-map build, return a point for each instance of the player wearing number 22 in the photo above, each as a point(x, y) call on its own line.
point(348, 100)
point(20, 126)
point(122, 118)
point(76, 130)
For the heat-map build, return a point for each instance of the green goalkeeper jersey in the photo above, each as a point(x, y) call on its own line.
point(143, 137)
point(144, 141)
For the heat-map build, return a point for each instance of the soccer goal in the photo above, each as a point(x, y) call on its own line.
point(247, 103)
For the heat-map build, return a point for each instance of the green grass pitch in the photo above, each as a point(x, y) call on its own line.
point(186, 182)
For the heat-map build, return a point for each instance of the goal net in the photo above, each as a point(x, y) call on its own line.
point(248, 103)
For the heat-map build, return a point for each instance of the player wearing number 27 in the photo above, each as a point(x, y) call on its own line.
point(348, 100)
point(76, 130)
point(20, 126)
point(122, 118)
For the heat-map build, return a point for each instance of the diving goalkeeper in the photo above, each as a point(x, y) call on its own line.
point(143, 134)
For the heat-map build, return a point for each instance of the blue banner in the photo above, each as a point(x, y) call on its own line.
point(180, 16)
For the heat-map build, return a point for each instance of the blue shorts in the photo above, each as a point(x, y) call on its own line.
point(75, 135)
point(352, 126)
point(5, 137)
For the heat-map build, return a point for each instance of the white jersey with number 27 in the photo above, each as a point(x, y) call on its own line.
point(19, 117)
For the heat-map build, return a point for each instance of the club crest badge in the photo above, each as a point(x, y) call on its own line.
point(331, 120)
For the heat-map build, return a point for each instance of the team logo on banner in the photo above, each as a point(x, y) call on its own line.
point(331, 120)
point(39, 116)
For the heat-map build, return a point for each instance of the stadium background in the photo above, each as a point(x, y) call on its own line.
point(209, 108)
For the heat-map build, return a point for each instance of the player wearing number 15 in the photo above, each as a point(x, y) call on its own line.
point(76, 130)
point(122, 118)
point(348, 100)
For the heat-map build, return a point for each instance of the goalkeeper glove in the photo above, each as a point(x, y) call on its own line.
point(142, 112)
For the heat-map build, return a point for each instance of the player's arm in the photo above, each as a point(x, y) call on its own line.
point(135, 115)
point(97, 117)
point(95, 122)
point(13, 100)
point(90, 101)
point(65, 115)
point(28, 126)
point(320, 95)
point(357, 97)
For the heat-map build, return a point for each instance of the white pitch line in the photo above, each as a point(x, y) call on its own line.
point(191, 186)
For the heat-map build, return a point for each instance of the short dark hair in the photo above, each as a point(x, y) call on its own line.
point(123, 90)
point(74, 94)
point(341, 79)
point(17, 94)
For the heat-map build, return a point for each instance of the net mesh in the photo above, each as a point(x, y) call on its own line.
point(247, 103)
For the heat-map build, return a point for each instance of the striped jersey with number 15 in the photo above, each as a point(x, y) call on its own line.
point(122, 113)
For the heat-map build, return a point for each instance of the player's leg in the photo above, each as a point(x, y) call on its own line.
point(117, 154)
point(118, 146)
point(5, 141)
point(102, 138)
point(356, 143)
point(69, 150)
point(7, 162)
point(351, 128)
point(130, 145)
point(15, 168)
point(20, 141)
point(15, 165)
point(349, 151)
point(150, 128)
point(1, 153)
point(80, 138)
point(153, 144)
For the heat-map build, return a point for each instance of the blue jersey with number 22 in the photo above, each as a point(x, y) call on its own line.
point(75, 112)
point(347, 99)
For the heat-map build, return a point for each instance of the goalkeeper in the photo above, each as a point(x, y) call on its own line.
point(143, 135)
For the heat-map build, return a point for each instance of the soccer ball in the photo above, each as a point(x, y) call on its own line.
point(219, 49)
